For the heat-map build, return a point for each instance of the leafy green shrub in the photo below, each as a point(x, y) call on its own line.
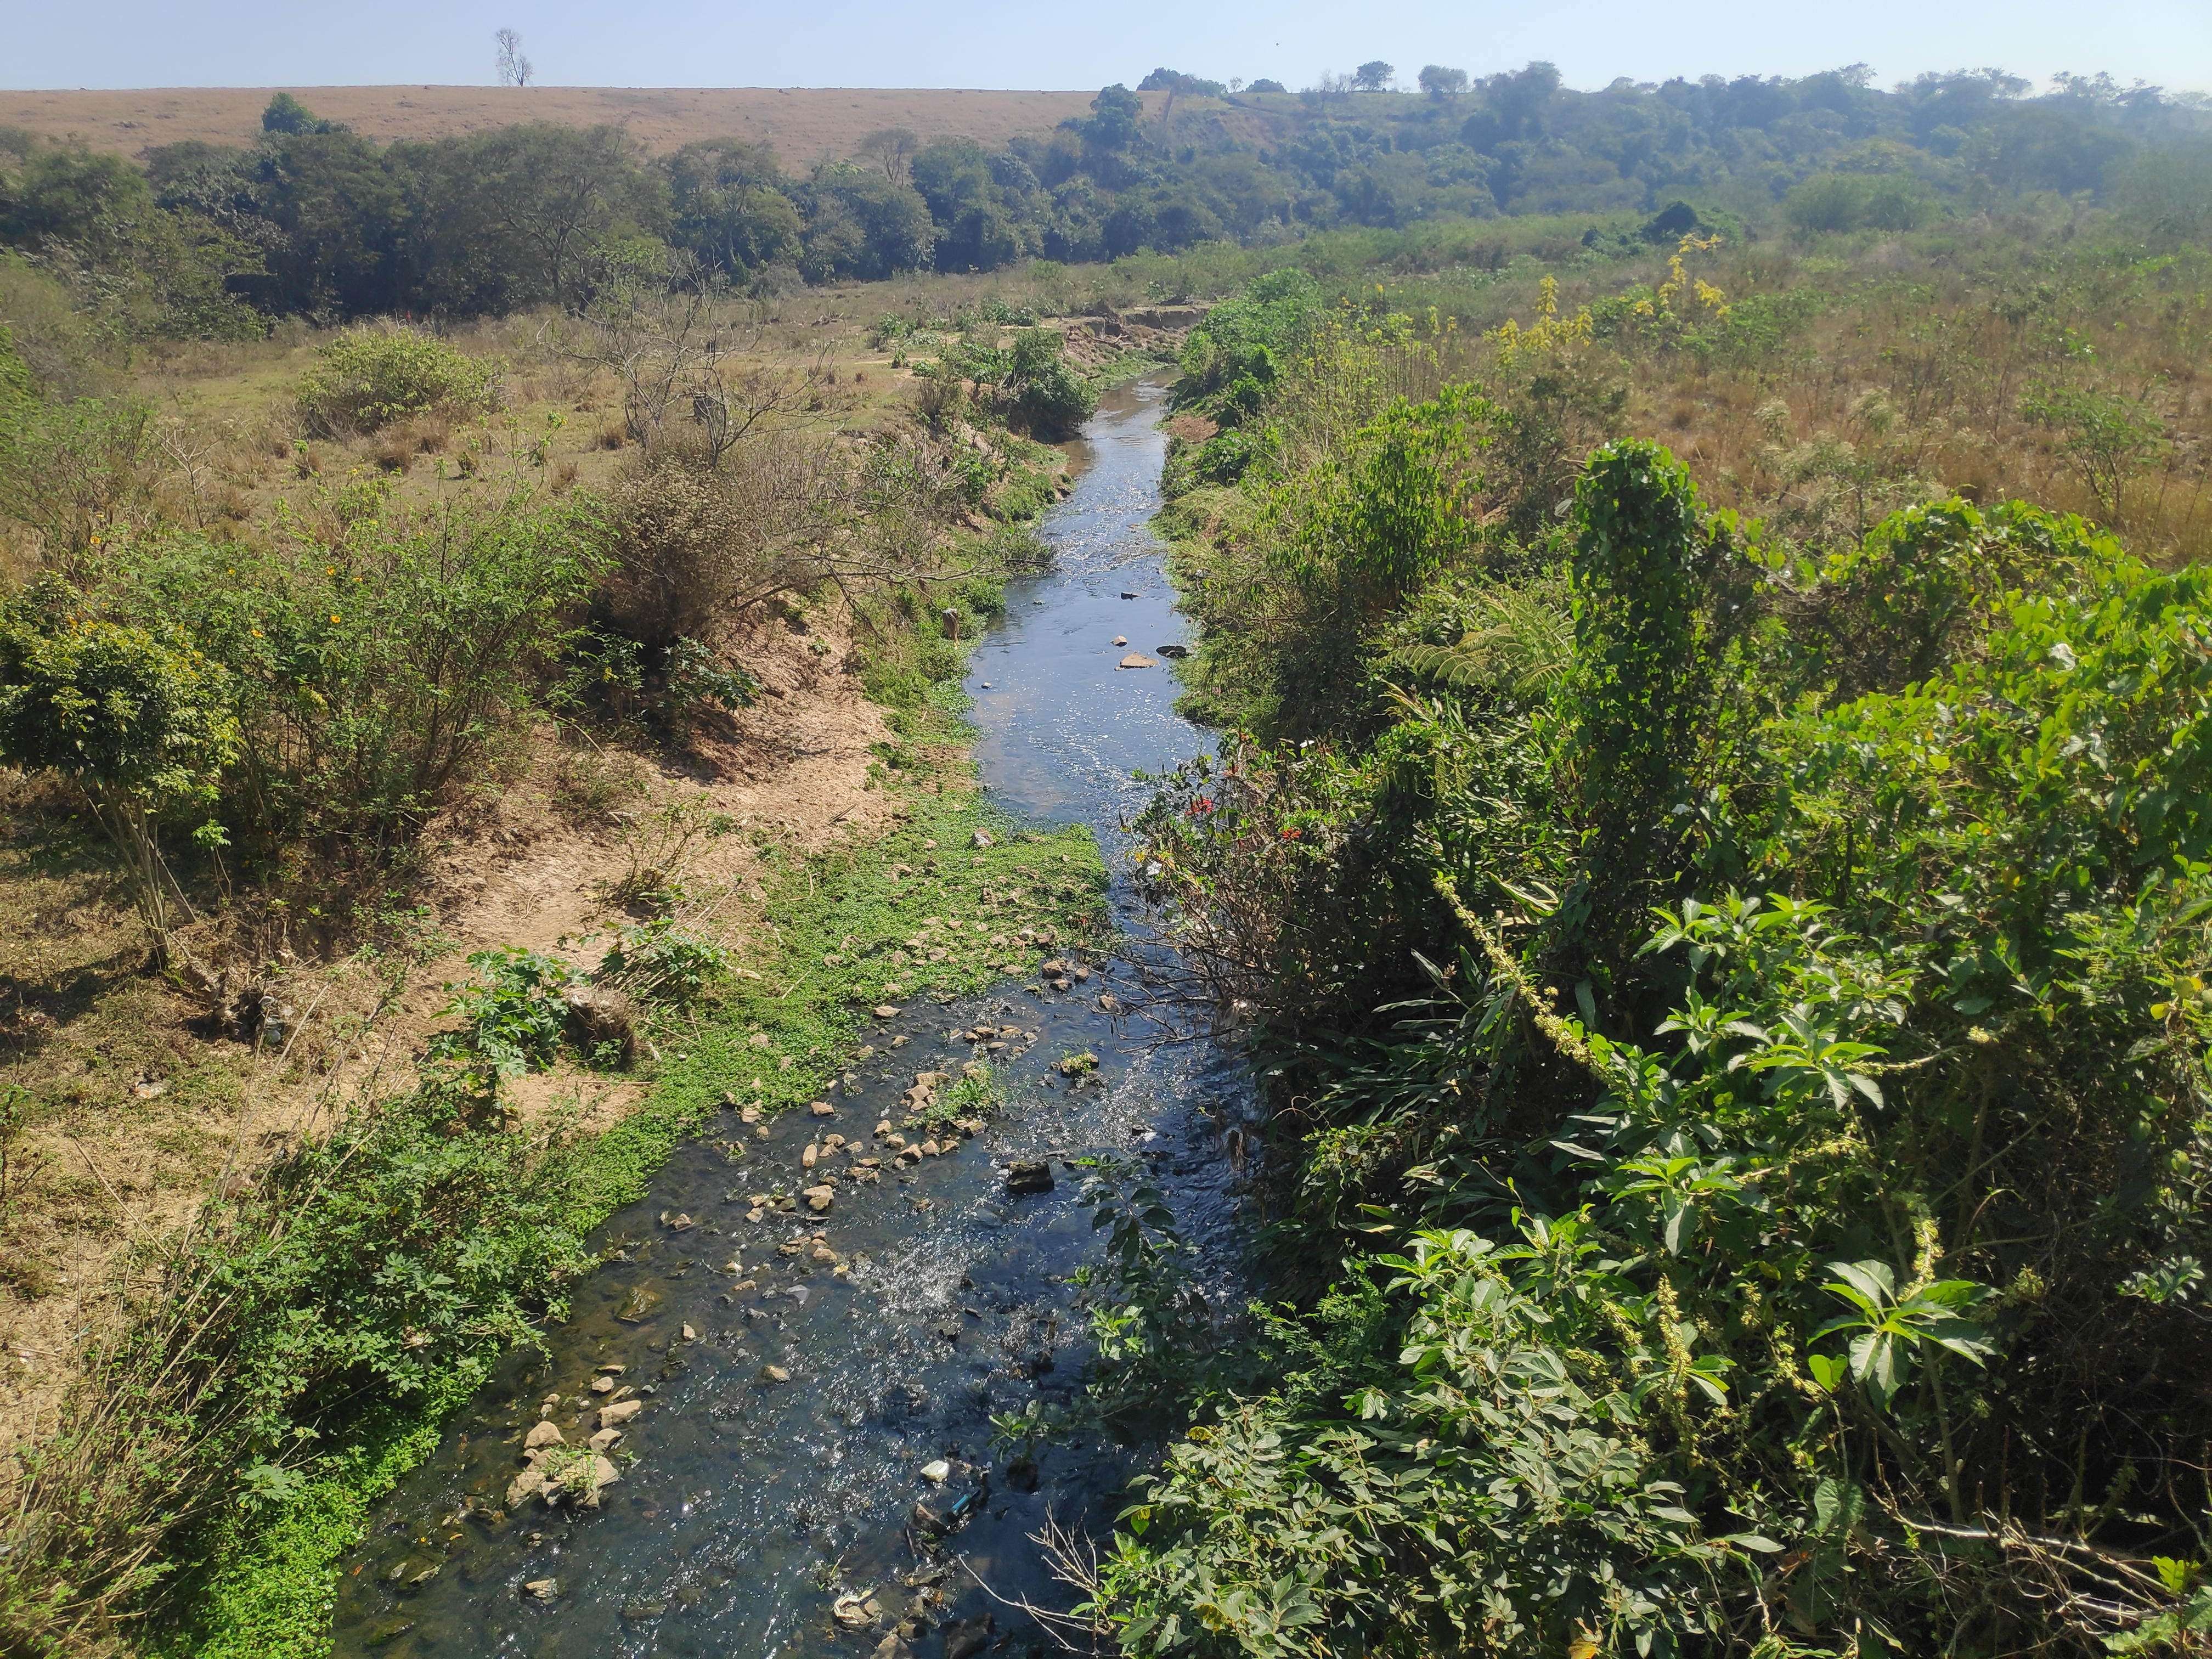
point(1233, 357)
point(140, 718)
point(378, 666)
point(662, 962)
point(360, 1269)
point(370, 377)
point(1857, 201)
point(513, 1017)
point(78, 471)
point(1770, 1192)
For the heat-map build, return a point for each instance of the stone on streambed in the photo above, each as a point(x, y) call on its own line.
point(1029, 1176)
point(542, 1589)
point(1137, 659)
point(621, 1412)
point(542, 1434)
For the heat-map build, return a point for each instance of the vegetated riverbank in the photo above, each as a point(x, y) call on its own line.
point(778, 1043)
point(1733, 986)
point(833, 1409)
point(397, 1199)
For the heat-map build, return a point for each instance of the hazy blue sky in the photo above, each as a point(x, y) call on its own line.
point(996, 43)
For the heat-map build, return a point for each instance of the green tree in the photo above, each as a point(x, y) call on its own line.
point(1442, 84)
point(288, 114)
point(729, 203)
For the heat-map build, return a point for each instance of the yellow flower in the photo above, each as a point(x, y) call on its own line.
point(334, 616)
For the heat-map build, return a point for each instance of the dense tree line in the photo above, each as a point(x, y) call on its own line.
point(318, 221)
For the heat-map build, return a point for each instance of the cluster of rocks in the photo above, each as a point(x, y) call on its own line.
point(559, 1472)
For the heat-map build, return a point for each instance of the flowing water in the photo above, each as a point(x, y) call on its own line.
point(754, 1505)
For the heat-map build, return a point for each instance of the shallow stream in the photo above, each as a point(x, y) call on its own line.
point(752, 1500)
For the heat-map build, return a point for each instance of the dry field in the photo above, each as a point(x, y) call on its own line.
point(805, 124)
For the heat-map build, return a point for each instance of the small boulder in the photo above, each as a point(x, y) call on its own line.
point(1137, 659)
point(604, 1441)
point(546, 1434)
point(884, 1011)
point(981, 838)
point(965, 1638)
point(620, 1412)
point(522, 1488)
point(774, 1374)
point(1029, 1176)
point(822, 1109)
point(818, 1198)
point(542, 1589)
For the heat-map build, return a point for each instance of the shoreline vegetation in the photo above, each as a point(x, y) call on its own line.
point(419, 846)
point(465, 658)
point(1720, 920)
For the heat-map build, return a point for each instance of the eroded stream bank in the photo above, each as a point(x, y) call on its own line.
point(771, 1474)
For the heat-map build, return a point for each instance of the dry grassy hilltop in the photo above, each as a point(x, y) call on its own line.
point(802, 123)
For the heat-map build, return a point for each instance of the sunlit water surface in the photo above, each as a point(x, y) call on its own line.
point(753, 1506)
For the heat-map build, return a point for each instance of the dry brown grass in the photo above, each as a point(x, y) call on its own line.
point(805, 124)
point(1907, 382)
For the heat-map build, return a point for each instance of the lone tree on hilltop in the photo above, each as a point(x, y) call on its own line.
point(1373, 76)
point(514, 70)
point(891, 148)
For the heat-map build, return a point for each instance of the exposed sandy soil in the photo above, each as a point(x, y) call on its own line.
point(805, 124)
